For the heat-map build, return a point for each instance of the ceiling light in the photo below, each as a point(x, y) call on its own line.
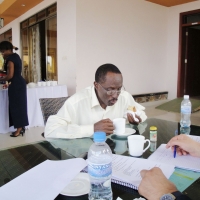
point(23, 4)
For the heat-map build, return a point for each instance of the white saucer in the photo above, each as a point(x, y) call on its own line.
point(128, 131)
point(80, 185)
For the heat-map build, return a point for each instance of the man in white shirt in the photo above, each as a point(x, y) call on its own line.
point(94, 108)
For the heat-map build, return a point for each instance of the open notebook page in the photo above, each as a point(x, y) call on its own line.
point(127, 169)
point(166, 156)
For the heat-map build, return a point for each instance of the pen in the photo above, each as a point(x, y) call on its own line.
point(175, 151)
point(176, 133)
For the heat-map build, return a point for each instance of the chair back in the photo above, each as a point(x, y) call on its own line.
point(50, 106)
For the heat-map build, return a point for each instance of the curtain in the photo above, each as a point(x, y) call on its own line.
point(34, 45)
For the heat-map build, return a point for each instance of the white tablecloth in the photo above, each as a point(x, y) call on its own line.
point(34, 110)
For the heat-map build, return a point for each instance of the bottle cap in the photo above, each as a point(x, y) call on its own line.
point(186, 97)
point(99, 136)
point(153, 128)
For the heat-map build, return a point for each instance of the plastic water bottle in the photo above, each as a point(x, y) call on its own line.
point(186, 107)
point(100, 168)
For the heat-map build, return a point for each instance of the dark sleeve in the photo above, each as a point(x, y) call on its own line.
point(180, 196)
point(183, 197)
point(14, 58)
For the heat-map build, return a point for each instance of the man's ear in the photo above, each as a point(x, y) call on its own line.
point(95, 85)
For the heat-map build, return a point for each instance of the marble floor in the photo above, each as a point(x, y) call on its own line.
point(34, 134)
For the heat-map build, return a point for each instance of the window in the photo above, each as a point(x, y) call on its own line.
point(39, 46)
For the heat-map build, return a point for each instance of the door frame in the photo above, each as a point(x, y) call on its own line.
point(181, 55)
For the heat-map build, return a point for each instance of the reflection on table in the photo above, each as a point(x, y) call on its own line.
point(34, 109)
point(28, 156)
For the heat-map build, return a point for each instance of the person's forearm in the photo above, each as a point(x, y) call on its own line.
point(6, 78)
point(60, 128)
point(68, 132)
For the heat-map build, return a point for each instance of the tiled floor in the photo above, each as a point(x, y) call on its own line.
point(34, 134)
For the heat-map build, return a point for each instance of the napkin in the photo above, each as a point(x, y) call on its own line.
point(138, 113)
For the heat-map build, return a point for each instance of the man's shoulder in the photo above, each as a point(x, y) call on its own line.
point(125, 94)
point(81, 95)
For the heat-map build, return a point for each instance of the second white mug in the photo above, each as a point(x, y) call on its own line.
point(136, 145)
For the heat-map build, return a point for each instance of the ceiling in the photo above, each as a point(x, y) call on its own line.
point(12, 9)
point(169, 3)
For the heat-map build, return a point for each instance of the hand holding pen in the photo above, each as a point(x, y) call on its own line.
point(184, 145)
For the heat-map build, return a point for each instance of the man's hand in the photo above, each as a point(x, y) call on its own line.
point(185, 144)
point(154, 184)
point(132, 120)
point(105, 125)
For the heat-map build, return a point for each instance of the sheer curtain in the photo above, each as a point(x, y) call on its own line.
point(34, 46)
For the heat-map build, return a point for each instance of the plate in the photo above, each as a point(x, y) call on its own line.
point(80, 185)
point(128, 131)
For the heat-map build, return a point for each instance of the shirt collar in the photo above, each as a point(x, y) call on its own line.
point(95, 101)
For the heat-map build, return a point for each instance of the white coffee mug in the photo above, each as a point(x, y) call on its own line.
point(48, 83)
point(43, 83)
point(119, 126)
point(136, 145)
point(55, 83)
point(39, 84)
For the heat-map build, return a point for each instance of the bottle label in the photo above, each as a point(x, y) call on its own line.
point(153, 146)
point(153, 135)
point(186, 109)
point(99, 170)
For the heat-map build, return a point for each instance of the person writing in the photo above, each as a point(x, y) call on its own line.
point(94, 108)
point(155, 185)
point(16, 89)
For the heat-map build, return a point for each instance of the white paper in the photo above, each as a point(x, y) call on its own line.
point(127, 169)
point(164, 155)
point(194, 137)
point(43, 182)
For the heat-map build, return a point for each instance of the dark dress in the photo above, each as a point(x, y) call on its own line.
point(17, 94)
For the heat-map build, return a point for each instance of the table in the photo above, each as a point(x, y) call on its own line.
point(34, 110)
point(17, 160)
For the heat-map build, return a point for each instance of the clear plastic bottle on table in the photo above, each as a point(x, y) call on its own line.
point(186, 108)
point(100, 168)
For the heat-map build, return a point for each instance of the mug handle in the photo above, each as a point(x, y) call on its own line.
point(147, 146)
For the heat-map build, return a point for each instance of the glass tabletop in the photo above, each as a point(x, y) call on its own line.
point(17, 160)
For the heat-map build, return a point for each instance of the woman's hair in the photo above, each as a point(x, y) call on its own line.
point(5, 45)
point(15, 48)
point(103, 70)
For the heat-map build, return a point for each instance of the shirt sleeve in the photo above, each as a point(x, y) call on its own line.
point(183, 197)
point(62, 125)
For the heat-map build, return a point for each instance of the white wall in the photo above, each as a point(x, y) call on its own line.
point(140, 37)
point(130, 34)
point(66, 35)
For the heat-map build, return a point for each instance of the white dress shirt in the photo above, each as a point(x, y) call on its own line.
point(80, 112)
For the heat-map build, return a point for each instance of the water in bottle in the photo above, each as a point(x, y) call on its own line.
point(186, 107)
point(185, 130)
point(100, 168)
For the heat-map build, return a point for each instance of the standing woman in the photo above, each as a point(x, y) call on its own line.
point(16, 90)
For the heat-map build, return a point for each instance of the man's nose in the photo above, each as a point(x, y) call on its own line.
point(115, 95)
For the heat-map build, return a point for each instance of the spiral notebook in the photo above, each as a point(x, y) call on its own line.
point(126, 170)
